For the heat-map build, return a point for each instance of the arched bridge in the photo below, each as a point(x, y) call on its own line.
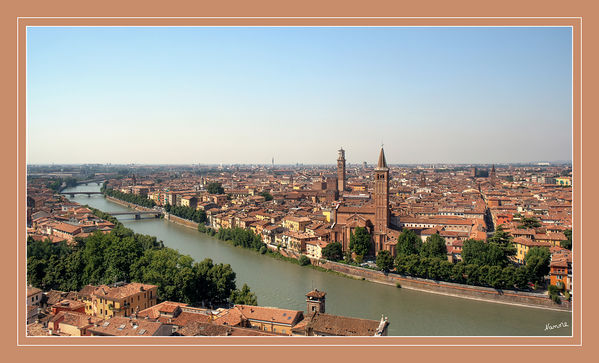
point(72, 194)
point(98, 181)
point(137, 214)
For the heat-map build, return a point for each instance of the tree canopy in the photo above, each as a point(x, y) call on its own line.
point(529, 222)
point(267, 196)
point(537, 263)
point(483, 253)
point(434, 247)
point(243, 296)
point(408, 243)
point(567, 243)
point(359, 241)
point(384, 261)
point(215, 188)
point(333, 251)
point(123, 255)
point(198, 216)
point(131, 198)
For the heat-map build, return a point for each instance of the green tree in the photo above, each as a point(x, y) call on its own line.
point(434, 247)
point(333, 251)
point(494, 277)
point(529, 222)
point(567, 243)
point(304, 260)
point(508, 277)
point(408, 243)
point(503, 239)
point(481, 253)
point(537, 263)
point(521, 278)
point(359, 241)
point(384, 261)
point(267, 196)
point(243, 296)
point(215, 188)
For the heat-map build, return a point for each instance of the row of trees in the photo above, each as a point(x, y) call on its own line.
point(122, 255)
point(483, 263)
point(241, 237)
point(55, 184)
point(498, 277)
point(198, 216)
point(131, 198)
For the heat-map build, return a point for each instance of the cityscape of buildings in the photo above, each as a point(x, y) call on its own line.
point(296, 211)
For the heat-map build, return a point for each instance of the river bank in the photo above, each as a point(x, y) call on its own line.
point(282, 282)
point(479, 293)
point(128, 205)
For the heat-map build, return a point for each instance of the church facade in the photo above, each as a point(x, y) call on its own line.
point(373, 215)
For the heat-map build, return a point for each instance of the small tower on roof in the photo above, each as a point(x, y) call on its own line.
point(316, 301)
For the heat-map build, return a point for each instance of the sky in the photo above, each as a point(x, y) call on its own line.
point(243, 95)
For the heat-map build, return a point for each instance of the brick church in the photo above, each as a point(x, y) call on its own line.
point(373, 215)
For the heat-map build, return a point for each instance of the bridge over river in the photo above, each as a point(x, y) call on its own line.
point(72, 194)
point(137, 214)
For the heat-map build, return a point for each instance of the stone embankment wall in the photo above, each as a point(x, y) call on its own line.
point(447, 288)
point(181, 221)
point(129, 205)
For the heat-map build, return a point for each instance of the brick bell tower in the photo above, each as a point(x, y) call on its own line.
point(381, 202)
point(341, 171)
point(315, 301)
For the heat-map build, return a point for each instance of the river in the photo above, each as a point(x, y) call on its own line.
point(283, 284)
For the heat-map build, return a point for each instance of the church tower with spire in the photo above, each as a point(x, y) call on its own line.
point(381, 202)
point(341, 171)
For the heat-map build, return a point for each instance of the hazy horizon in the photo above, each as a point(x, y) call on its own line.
point(243, 95)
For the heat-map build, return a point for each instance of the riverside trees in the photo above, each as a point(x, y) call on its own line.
point(483, 263)
point(131, 198)
point(124, 255)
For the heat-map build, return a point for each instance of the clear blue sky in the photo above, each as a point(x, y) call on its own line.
point(246, 94)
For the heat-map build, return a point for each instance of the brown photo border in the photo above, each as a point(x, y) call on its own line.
point(574, 22)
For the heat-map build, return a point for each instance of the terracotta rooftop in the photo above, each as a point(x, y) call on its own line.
point(121, 326)
point(316, 294)
point(120, 292)
point(269, 314)
point(341, 325)
point(153, 312)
